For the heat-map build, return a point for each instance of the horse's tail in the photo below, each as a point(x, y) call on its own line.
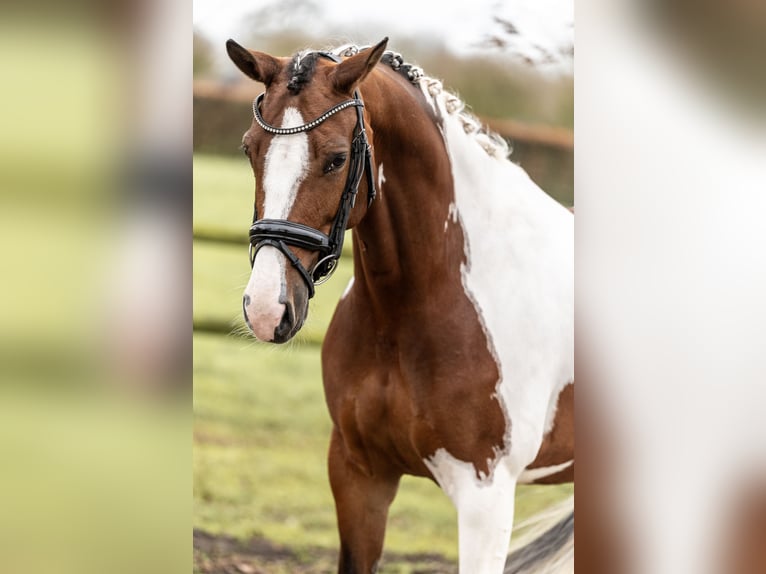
point(547, 543)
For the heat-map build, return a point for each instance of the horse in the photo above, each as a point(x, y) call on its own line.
point(450, 354)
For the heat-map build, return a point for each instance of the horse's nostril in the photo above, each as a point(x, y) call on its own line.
point(245, 303)
point(286, 324)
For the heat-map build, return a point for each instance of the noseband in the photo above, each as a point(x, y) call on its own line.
point(281, 233)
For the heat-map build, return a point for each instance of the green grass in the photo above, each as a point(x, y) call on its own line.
point(224, 189)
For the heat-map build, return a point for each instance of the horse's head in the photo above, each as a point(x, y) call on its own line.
point(308, 147)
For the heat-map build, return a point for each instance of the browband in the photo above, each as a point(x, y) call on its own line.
point(305, 127)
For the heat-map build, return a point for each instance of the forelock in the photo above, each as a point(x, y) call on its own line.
point(301, 70)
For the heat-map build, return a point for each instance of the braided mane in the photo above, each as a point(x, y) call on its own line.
point(493, 144)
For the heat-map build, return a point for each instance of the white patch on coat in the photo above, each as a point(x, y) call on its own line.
point(285, 167)
point(451, 216)
point(550, 417)
point(525, 301)
point(381, 178)
point(348, 287)
point(532, 474)
point(485, 511)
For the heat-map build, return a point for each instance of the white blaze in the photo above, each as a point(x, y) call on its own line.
point(286, 163)
point(285, 167)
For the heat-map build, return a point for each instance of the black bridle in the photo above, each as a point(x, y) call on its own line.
point(281, 233)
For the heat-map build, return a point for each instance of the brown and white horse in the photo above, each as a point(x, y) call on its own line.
point(450, 355)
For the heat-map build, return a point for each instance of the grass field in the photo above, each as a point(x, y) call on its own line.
point(261, 426)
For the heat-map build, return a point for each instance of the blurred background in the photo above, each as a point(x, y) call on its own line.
point(261, 428)
point(95, 328)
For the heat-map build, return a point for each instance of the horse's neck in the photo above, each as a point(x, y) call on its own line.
point(402, 246)
point(444, 196)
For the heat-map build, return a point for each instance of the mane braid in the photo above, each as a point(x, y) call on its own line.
point(493, 144)
point(301, 70)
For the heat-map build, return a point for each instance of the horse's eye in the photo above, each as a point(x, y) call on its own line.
point(335, 163)
point(245, 149)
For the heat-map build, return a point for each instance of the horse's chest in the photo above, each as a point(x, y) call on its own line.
point(411, 401)
point(376, 417)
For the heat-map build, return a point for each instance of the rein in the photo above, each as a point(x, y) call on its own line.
point(282, 233)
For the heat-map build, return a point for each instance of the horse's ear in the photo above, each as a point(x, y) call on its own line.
point(350, 72)
point(256, 65)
